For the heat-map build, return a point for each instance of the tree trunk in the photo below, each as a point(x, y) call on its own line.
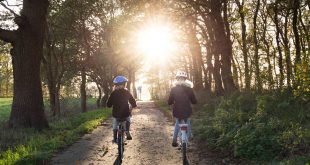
point(256, 57)
point(57, 100)
point(1, 85)
point(225, 43)
point(99, 97)
point(129, 80)
point(280, 58)
point(235, 74)
point(134, 85)
point(52, 99)
point(195, 50)
point(244, 47)
point(267, 50)
point(83, 90)
point(287, 51)
point(106, 93)
point(7, 80)
point(104, 100)
point(307, 38)
point(217, 76)
point(296, 33)
point(27, 51)
point(49, 76)
point(208, 76)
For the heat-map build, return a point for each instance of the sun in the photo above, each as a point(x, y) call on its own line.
point(155, 41)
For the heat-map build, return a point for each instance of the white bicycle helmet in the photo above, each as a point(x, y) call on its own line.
point(181, 74)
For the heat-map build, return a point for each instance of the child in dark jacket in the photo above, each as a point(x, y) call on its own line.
point(119, 99)
point(181, 97)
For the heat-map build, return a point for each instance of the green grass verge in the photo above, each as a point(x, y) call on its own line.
point(5, 108)
point(36, 147)
point(69, 106)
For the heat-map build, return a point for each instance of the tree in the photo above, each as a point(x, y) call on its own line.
point(241, 11)
point(27, 51)
point(256, 57)
point(296, 6)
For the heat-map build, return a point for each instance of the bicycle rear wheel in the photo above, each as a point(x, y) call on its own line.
point(184, 154)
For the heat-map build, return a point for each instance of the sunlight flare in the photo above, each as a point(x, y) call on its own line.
point(156, 41)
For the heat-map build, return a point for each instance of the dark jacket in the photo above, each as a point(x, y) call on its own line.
point(182, 96)
point(119, 99)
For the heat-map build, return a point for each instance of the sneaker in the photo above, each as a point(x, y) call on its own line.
point(128, 136)
point(174, 144)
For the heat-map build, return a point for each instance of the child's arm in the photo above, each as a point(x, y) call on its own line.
point(132, 101)
point(193, 97)
point(171, 98)
point(110, 100)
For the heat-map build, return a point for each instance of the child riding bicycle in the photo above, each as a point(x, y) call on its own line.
point(181, 97)
point(119, 99)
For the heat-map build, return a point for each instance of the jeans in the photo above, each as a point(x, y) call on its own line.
point(115, 123)
point(177, 129)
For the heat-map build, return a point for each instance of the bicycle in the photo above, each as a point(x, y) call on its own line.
point(183, 139)
point(120, 138)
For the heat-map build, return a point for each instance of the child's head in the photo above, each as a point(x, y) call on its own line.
point(181, 76)
point(120, 82)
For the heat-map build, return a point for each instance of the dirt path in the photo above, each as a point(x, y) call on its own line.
point(151, 143)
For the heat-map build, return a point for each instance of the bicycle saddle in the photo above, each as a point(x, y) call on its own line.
point(121, 119)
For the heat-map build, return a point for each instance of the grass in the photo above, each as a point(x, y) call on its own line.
point(68, 106)
point(28, 146)
point(5, 108)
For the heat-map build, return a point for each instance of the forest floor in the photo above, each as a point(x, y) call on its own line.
point(151, 144)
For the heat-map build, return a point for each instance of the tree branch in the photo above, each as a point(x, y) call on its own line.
point(7, 3)
point(7, 35)
point(12, 11)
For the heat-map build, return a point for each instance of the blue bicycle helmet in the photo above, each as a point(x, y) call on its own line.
point(120, 80)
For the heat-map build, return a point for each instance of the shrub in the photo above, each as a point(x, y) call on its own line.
point(260, 127)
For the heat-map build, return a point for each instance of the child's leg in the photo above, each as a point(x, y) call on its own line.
point(176, 131)
point(189, 130)
point(128, 129)
point(115, 124)
point(128, 123)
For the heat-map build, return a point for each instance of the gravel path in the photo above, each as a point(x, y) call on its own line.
point(151, 144)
